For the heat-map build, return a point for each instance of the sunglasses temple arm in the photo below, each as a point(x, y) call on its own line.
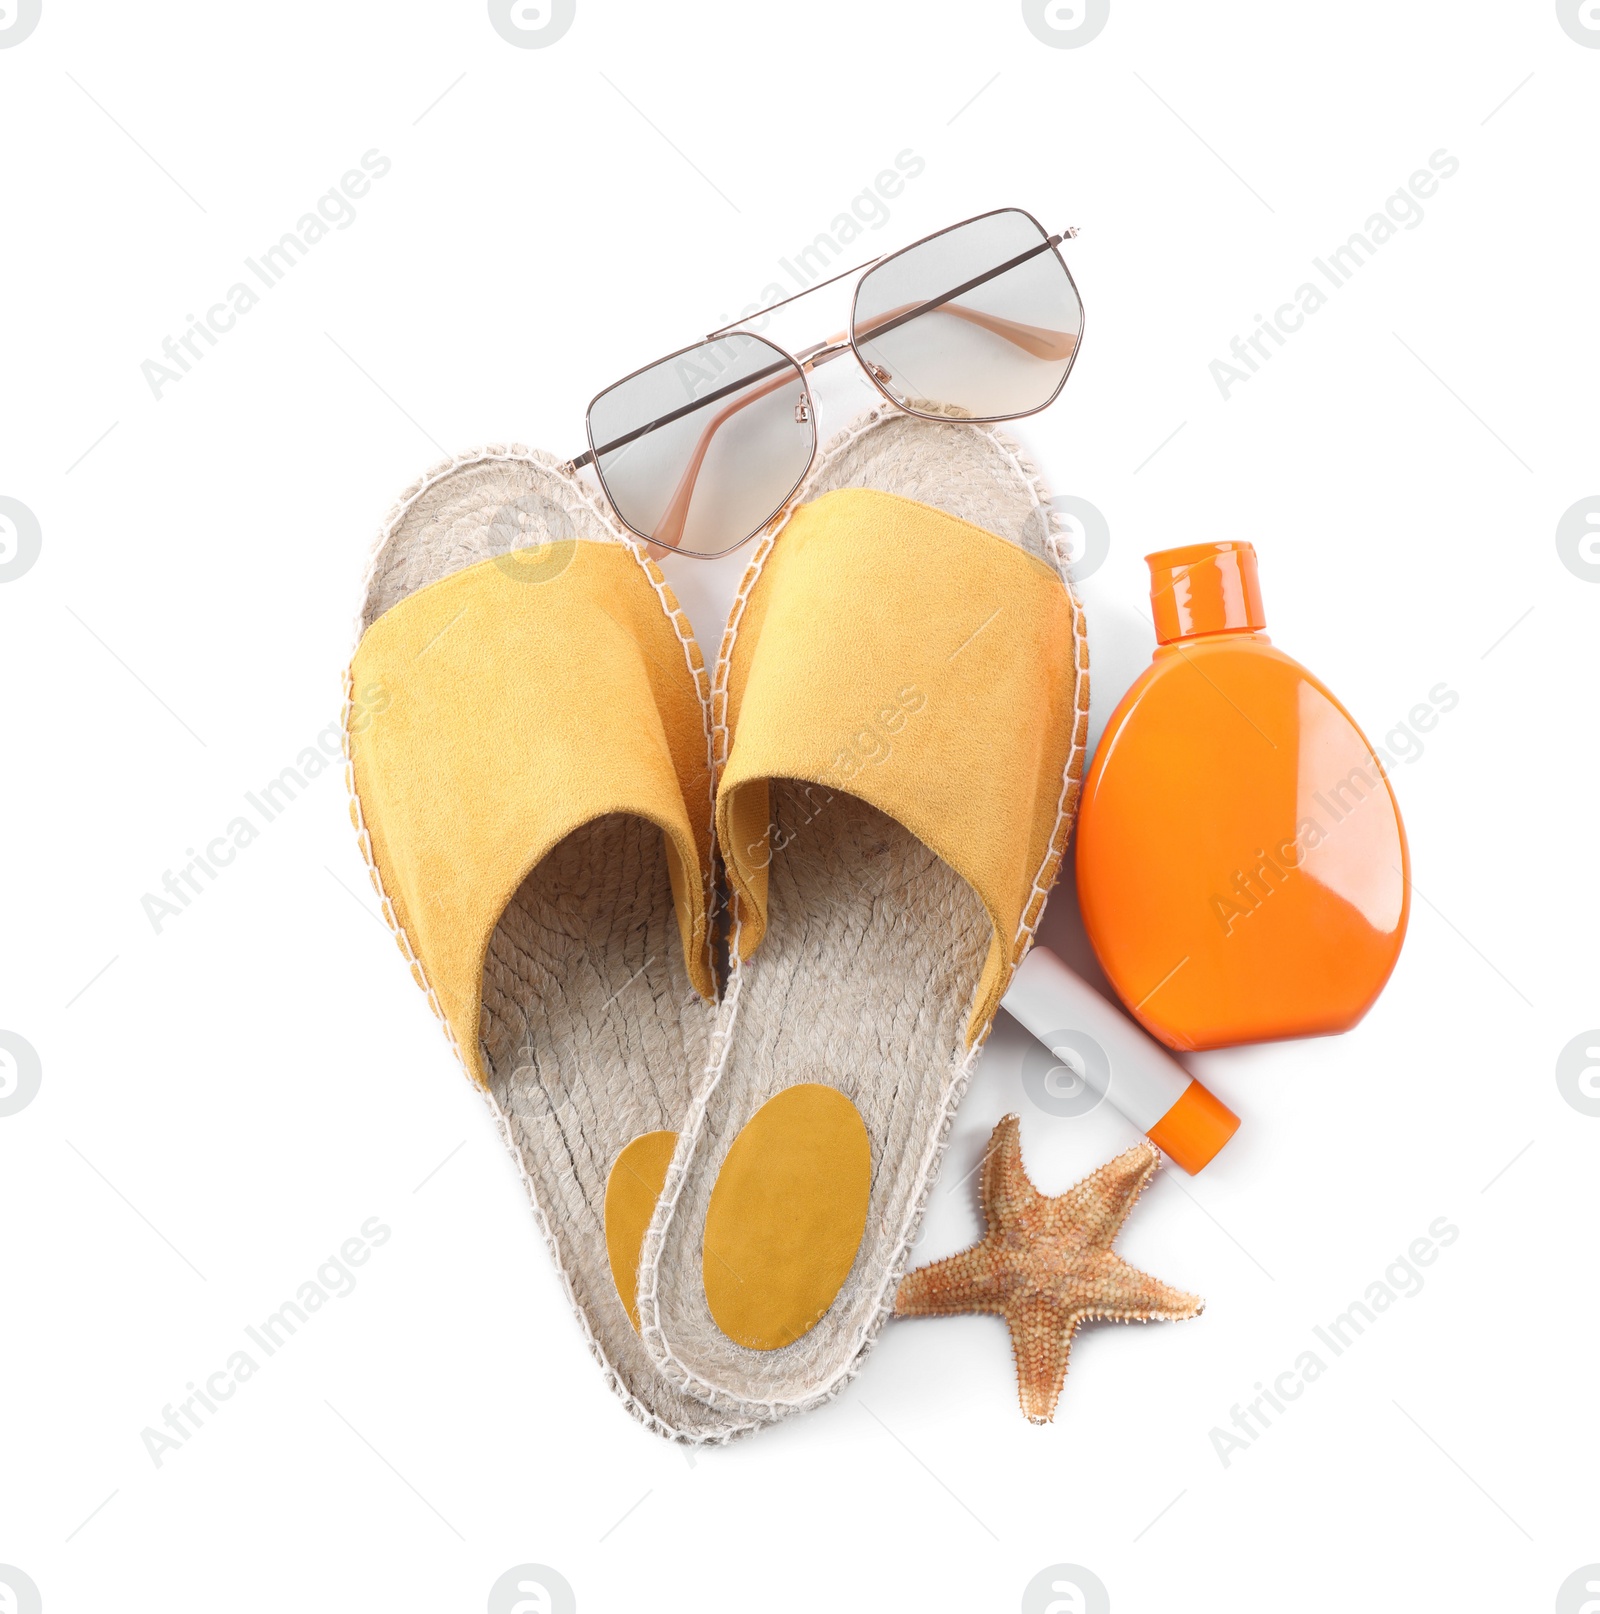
point(1023, 335)
point(1038, 340)
point(669, 529)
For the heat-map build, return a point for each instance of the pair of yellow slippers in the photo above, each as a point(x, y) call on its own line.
point(721, 946)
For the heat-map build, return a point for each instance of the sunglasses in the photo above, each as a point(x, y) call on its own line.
point(699, 451)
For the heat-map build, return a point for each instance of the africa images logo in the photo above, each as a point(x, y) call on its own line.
point(531, 24)
point(21, 1075)
point(535, 539)
point(20, 538)
point(1581, 21)
point(18, 1594)
point(1580, 1591)
point(1065, 24)
point(1066, 1589)
point(532, 1589)
point(1577, 538)
point(1066, 1073)
point(18, 19)
point(1578, 1072)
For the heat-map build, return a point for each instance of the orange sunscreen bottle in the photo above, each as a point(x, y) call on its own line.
point(1242, 867)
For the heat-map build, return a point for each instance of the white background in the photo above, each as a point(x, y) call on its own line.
point(261, 1077)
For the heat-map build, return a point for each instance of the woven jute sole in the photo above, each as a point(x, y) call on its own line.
point(864, 980)
point(591, 1031)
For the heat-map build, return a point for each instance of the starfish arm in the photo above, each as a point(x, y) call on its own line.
point(1041, 1338)
point(968, 1282)
point(1046, 1264)
point(1096, 1208)
point(1004, 1187)
point(1126, 1295)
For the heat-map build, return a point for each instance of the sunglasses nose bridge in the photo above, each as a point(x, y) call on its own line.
point(810, 358)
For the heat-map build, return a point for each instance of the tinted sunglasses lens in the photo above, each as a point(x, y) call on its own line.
point(700, 451)
point(945, 333)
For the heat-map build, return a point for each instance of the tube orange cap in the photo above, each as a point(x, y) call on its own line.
point(1205, 588)
point(1194, 1129)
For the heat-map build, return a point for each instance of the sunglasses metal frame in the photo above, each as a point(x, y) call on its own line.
point(820, 353)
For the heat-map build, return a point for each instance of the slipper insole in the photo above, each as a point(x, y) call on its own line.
point(786, 1216)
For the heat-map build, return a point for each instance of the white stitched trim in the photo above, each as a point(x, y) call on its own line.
point(364, 841)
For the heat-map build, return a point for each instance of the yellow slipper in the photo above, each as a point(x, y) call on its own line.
point(901, 709)
point(528, 741)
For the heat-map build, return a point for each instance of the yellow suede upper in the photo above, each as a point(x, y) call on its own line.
point(916, 661)
point(516, 712)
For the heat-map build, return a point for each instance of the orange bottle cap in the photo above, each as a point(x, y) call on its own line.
point(1195, 1128)
point(1205, 588)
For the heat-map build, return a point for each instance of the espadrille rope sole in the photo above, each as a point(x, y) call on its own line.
point(591, 1031)
point(864, 979)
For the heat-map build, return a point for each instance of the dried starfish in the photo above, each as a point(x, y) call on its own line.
point(1046, 1265)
